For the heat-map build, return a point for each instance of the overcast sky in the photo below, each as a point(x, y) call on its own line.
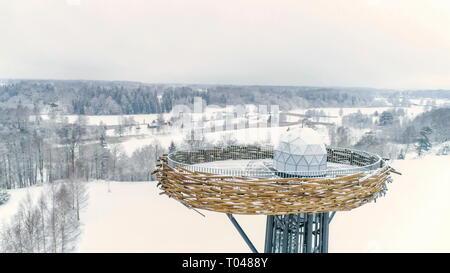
point(374, 43)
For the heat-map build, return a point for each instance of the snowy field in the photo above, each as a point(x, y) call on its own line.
point(335, 113)
point(412, 217)
point(133, 217)
point(111, 119)
point(244, 136)
point(217, 113)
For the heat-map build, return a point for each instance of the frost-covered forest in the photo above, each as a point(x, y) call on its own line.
point(113, 98)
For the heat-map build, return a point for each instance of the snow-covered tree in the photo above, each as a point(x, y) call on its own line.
point(172, 147)
point(386, 118)
point(4, 196)
point(423, 142)
point(49, 224)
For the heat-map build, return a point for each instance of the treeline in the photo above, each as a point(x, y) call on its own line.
point(35, 151)
point(23, 150)
point(432, 94)
point(99, 98)
point(392, 133)
point(438, 120)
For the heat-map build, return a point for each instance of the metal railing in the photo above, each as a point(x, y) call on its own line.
point(351, 161)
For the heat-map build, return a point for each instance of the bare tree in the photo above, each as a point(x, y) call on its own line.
point(49, 225)
point(79, 195)
point(43, 212)
point(68, 228)
point(115, 150)
point(30, 219)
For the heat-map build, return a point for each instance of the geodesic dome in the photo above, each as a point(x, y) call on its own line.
point(300, 150)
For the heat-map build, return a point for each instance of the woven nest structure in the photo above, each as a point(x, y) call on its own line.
point(188, 176)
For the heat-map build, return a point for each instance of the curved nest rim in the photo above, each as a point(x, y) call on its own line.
point(270, 196)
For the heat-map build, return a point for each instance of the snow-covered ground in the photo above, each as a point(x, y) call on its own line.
point(244, 136)
point(10, 208)
point(111, 119)
point(209, 112)
point(412, 217)
point(133, 217)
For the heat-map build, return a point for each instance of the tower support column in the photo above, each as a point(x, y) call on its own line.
point(297, 233)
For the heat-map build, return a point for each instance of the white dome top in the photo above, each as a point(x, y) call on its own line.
point(300, 149)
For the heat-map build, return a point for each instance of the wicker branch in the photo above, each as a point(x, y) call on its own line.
point(269, 196)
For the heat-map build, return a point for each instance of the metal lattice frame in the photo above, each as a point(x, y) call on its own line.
point(297, 233)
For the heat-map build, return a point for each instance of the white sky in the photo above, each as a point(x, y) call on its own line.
point(374, 43)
